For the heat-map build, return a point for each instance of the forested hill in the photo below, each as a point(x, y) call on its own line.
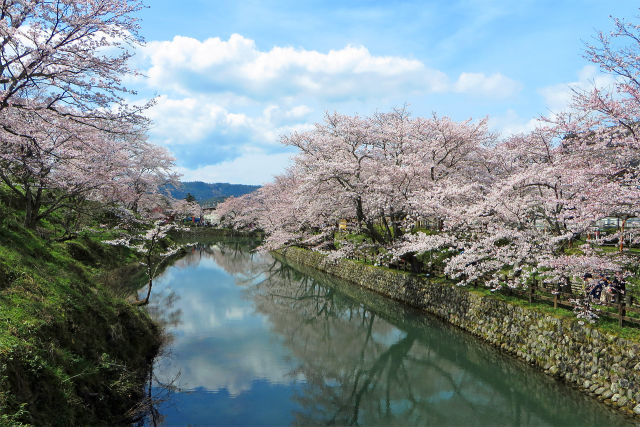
point(207, 193)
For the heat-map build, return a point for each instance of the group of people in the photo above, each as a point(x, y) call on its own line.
point(603, 288)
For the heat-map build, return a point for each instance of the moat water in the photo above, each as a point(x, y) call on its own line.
point(257, 342)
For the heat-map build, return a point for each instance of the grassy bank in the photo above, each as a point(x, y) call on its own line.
point(72, 350)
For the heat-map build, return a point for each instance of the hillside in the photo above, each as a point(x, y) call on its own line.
point(208, 193)
point(72, 350)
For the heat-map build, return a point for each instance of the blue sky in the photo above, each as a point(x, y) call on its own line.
point(230, 77)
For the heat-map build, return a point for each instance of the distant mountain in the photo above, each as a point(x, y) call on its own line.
point(206, 193)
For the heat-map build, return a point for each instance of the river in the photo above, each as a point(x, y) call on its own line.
point(254, 341)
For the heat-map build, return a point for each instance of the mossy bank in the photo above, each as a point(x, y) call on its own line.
point(601, 363)
point(73, 351)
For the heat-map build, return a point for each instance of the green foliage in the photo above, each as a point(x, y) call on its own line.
point(355, 238)
point(427, 231)
point(71, 351)
point(434, 262)
point(575, 250)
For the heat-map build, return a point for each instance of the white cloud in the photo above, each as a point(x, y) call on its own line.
point(188, 120)
point(237, 313)
point(250, 168)
point(186, 65)
point(510, 123)
point(298, 111)
point(192, 120)
point(558, 97)
point(495, 85)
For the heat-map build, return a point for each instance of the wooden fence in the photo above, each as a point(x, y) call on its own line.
point(620, 309)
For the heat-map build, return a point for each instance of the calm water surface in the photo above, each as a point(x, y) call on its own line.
point(256, 342)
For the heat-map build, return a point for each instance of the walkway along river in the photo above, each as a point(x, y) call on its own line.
point(257, 342)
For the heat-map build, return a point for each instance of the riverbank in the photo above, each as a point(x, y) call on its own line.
point(73, 351)
point(598, 362)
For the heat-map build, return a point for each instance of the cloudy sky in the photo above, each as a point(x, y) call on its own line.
point(231, 77)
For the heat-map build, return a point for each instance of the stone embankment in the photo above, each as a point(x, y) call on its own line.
point(601, 364)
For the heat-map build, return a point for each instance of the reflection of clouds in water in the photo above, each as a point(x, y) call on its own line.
point(220, 342)
point(210, 313)
point(204, 364)
point(167, 276)
point(237, 313)
point(202, 261)
point(389, 336)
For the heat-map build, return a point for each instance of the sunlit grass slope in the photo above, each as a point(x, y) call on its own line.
point(72, 352)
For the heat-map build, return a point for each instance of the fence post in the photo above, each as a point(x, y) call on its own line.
point(555, 301)
point(531, 287)
point(621, 312)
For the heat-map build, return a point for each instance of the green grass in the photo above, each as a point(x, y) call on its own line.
point(72, 352)
point(611, 326)
point(603, 324)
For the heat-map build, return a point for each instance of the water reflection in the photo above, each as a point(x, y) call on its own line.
point(259, 342)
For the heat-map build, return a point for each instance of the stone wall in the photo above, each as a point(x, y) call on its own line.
point(602, 364)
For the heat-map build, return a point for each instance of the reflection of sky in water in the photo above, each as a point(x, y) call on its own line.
point(266, 404)
point(221, 343)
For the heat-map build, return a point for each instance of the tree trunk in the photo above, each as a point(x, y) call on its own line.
point(150, 274)
point(621, 244)
point(386, 227)
point(32, 207)
point(359, 211)
point(28, 209)
point(145, 301)
point(375, 236)
point(397, 231)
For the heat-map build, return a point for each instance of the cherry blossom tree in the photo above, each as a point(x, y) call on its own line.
point(241, 213)
point(509, 211)
point(603, 124)
point(147, 170)
point(49, 161)
point(67, 131)
point(180, 209)
point(549, 190)
point(67, 56)
point(377, 172)
point(336, 161)
point(150, 245)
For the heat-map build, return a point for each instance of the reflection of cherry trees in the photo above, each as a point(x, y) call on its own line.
point(353, 358)
point(356, 366)
point(233, 256)
point(376, 363)
point(165, 311)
